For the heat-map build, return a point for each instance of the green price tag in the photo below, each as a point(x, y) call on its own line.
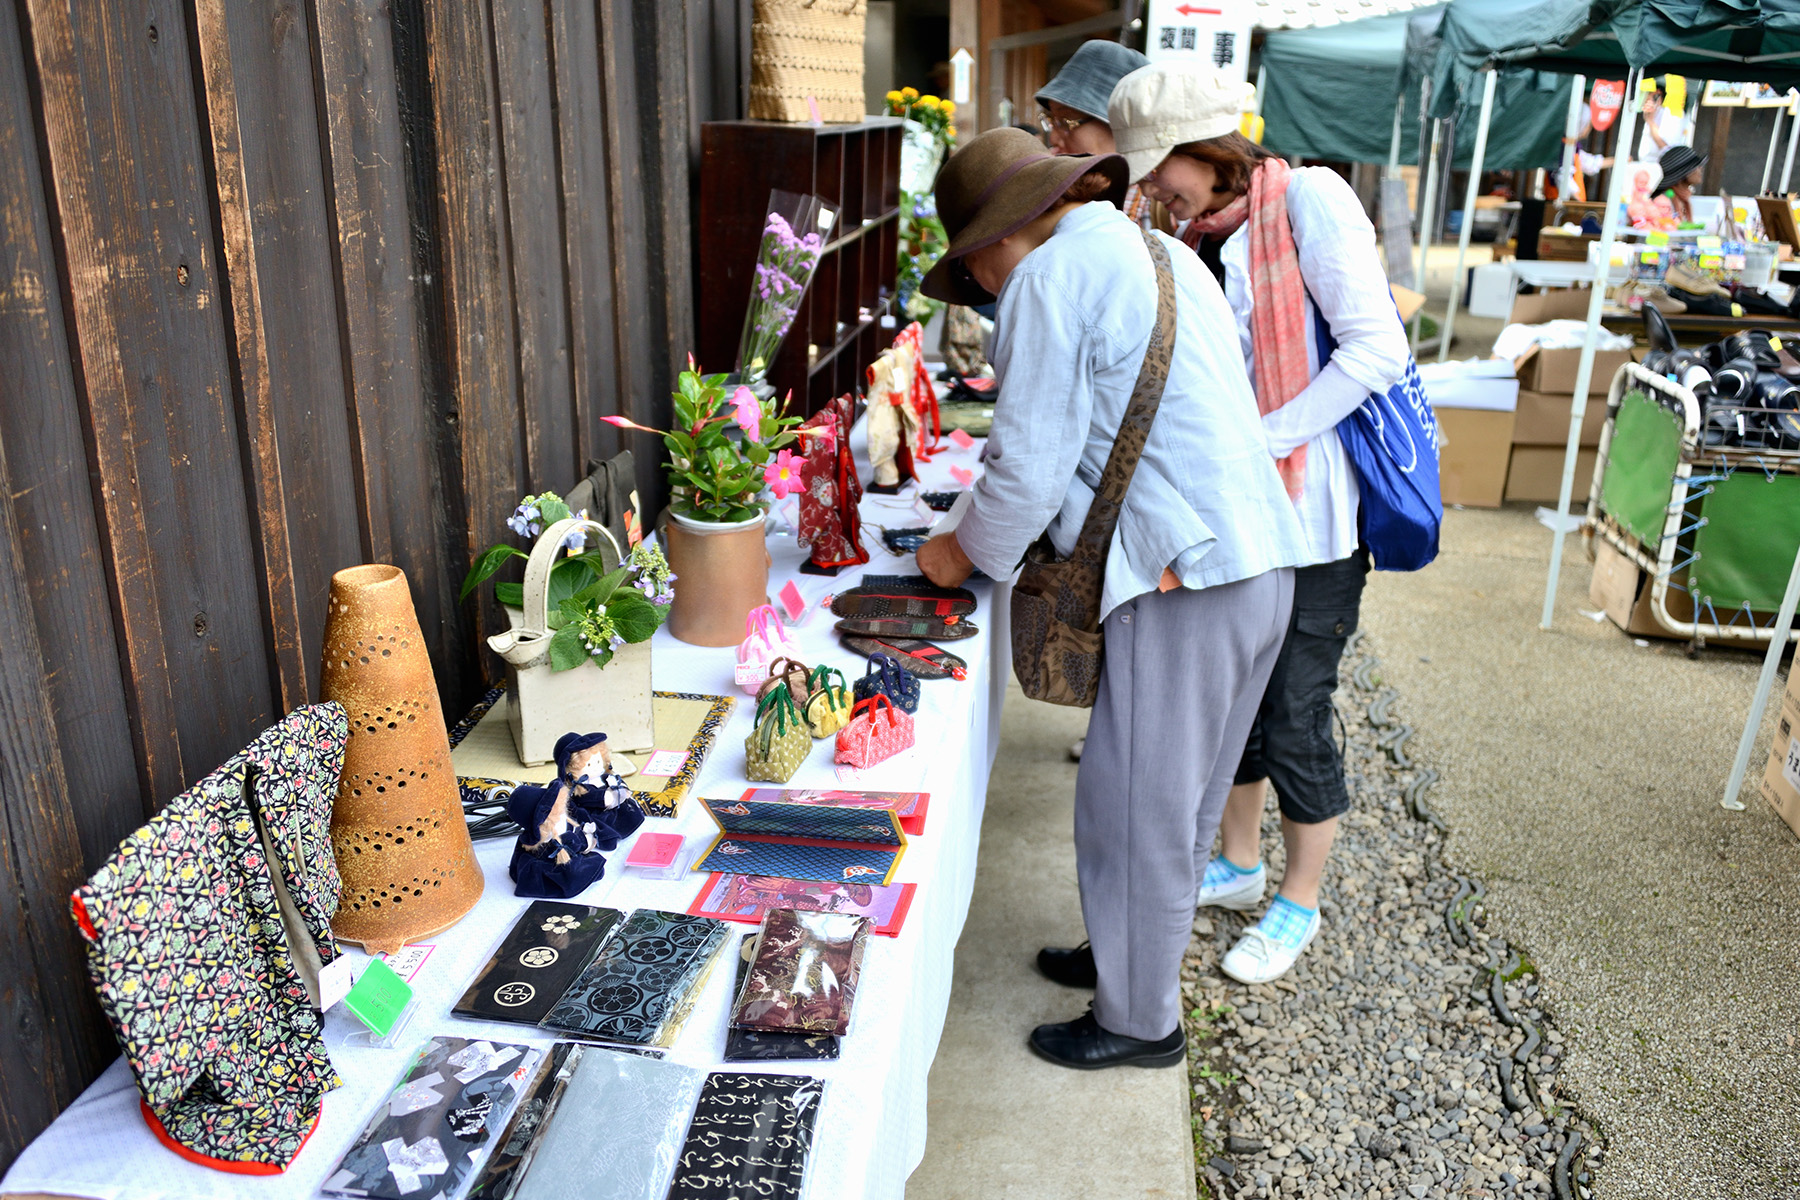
point(379, 997)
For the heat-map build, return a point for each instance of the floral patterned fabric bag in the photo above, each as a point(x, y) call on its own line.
point(877, 731)
point(886, 677)
point(779, 743)
point(205, 931)
point(828, 704)
point(803, 978)
point(830, 522)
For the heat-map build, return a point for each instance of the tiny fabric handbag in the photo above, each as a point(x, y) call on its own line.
point(779, 743)
point(1056, 639)
point(877, 731)
point(828, 704)
point(764, 641)
point(830, 521)
point(789, 672)
point(886, 677)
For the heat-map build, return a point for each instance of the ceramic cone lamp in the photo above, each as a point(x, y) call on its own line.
point(397, 826)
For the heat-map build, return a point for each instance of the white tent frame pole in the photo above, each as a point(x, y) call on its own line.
point(1787, 167)
point(1584, 374)
point(1468, 221)
point(1774, 141)
point(1427, 202)
point(1765, 684)
point(1262, 80)
point(1393, 162)
point(1565, 179)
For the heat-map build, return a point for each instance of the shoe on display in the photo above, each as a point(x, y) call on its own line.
point(1083, 1045)
point(1071, 968)
point(1224, 886)
point(1692, 280)
point(1259, 957)
point(1709, 304)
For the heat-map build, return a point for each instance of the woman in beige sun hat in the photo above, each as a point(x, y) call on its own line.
point(1296, 254)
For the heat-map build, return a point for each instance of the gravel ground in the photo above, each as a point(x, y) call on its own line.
point(1373, 1068)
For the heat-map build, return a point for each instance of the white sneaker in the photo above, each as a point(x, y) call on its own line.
point(1224, 887)
point(1259, 958)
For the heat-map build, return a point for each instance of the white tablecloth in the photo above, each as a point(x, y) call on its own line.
point(871, 1129)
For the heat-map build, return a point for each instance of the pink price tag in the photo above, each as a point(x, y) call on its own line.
point(654, 850)
point(791, 601)
point(812, 106)
point(962, 475)
point(960, 439)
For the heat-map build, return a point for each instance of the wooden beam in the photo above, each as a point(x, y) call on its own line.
point(1714, 175)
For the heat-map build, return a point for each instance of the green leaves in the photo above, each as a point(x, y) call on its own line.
point(633, 616)
point(492, 560)
point(566, 650)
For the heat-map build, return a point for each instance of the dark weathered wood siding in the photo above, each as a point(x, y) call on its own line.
point(287, 287)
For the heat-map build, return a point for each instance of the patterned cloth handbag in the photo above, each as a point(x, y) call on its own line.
point(886, 677)
point(792, 674)
point(828, 704)
point(1057, 643)
point(187, 928)
point(877, 731)
point(779, 743)
point(765, 640)
point(830, 521)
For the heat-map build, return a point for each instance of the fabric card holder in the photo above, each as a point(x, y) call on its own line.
point(750, 1136)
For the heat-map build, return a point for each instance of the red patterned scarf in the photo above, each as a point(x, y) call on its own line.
point(1278, 296)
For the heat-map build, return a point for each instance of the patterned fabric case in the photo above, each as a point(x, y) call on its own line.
point(902, 596)
point(618, 1130)
point(804, 975)
point(541, 956)
point(191, 959)
point(750, 1136)
point(637, 991)
point(910, 807)
point(947, 629)
point(438, 1127)
point(768, 1045)
point(504, 1172)
point(915, 655)
point(804, 841)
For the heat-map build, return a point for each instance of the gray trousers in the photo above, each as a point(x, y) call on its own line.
point(1184, 674)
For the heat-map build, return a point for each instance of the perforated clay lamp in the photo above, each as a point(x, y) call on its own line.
point(397, 825)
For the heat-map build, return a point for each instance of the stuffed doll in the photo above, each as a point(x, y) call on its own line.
point(566, 824)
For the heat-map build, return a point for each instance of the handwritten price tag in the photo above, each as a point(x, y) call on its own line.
point(792, 601)
point(664, 763)
point(960, 439)
point(1790, 769)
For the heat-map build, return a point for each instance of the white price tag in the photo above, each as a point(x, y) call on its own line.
point(408, 959)
point(1790, 769)
point(664, 763)
point(336, 978)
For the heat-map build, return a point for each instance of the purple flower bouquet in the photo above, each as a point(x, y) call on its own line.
point(794, 231)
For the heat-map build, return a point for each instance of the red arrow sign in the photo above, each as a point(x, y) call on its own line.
point(1188, 10)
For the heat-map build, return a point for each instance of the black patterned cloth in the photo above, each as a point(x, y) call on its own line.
point(639, 987)
point(187, 949)
point(750, 1136)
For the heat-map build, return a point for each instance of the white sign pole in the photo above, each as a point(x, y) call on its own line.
point(1468, 220)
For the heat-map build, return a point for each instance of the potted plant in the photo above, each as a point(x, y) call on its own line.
point(578, 652)
point(726, 447)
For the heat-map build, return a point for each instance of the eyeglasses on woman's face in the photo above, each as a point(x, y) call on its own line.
point(1050, 124)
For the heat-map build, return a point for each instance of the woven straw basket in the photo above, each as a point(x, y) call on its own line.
point(802, 48)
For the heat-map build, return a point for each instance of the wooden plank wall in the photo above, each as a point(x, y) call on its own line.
point(286, 288)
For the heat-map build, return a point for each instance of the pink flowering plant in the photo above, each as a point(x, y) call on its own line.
point(793, 234)
point(723, 448)
point(597, 604)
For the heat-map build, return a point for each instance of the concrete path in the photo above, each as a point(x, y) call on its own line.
point(1581, 778)
point(1004, 1123)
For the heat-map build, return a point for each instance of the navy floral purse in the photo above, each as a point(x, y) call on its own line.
point(886, 677)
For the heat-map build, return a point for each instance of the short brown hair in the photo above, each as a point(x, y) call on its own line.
point(1092, 186)
point(1232, 156)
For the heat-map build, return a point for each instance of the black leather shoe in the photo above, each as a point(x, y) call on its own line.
point(1083, 1045)
point(1071, 968)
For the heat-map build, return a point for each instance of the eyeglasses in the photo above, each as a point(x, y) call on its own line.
point(1050, 124)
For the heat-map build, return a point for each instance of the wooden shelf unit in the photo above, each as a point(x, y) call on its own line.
point(838, 331)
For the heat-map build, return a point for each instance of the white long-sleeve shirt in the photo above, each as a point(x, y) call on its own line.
point(1347, 285)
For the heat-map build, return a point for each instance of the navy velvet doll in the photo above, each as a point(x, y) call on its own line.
point(568, 822)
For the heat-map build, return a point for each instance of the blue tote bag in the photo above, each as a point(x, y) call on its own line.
point(1392, 441)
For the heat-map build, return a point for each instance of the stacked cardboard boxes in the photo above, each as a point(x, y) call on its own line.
point(1540, 433)
point(1781, 779)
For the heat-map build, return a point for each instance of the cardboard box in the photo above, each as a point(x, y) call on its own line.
point(1542, 419)
point(1555, 304)
point(1541, 370)
point(1472, 455)
point(1491, 289)
point(1623, 592)
point(1535, 473)
point(1781, 779)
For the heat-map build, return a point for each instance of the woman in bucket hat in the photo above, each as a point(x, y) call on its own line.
point(1294, 251)
point(1072, 114)
point(1196, 577)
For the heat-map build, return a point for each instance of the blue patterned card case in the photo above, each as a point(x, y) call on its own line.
point(542, 954)
point(804, 841)
point(618, 1131)
point(641, 985)
point(431, 1135)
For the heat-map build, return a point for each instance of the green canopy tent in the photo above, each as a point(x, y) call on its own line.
point(1756, 41)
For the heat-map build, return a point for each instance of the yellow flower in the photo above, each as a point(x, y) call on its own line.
point(893, 97)
point(909, 94)
point(950, 132)
point(929, 101)
point(949, 107)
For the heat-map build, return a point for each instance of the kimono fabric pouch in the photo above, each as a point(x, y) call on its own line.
point(803, 978)
point(828, 702)
point(942, 629)
point(916, 657)
point(1057, 645)
point(790, 673)
point(779, 743)
point(877, 731)
point(764, 641)
point(902, 596)
point(886, 677)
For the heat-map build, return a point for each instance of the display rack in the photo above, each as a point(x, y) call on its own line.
point(838, 330)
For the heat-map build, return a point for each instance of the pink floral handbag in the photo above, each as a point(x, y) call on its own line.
point(877, 731)
point(765, 640)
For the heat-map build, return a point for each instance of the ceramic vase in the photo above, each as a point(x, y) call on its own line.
point(397, 825)
point(721, 573)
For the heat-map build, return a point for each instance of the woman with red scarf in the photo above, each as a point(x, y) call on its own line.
point(1295, 253)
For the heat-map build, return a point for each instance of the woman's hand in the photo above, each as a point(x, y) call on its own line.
point(943, 562)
